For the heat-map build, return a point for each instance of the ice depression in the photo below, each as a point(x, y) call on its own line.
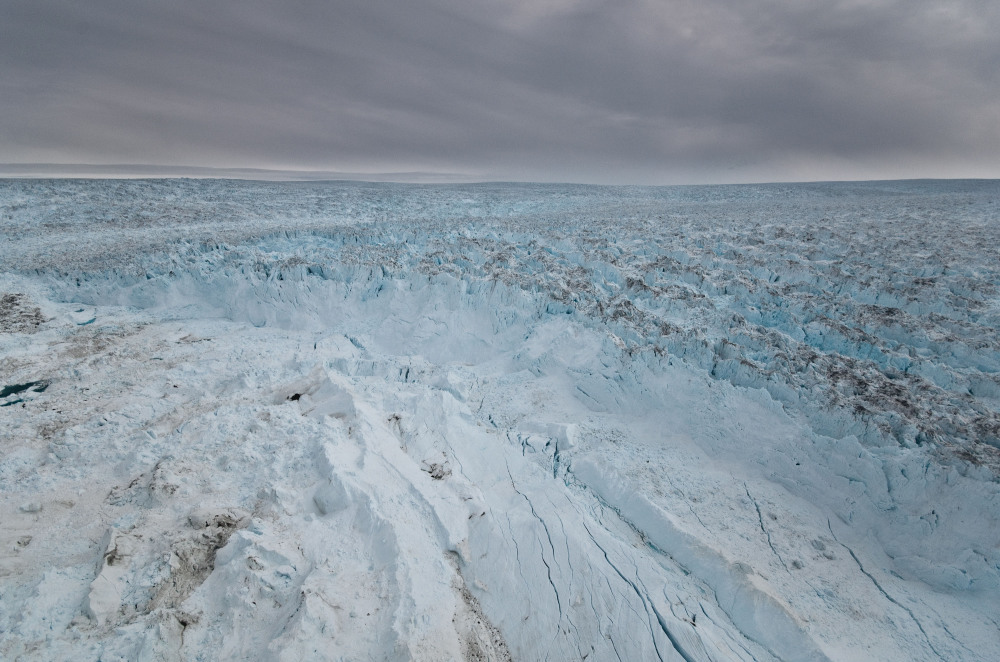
point(343, 421)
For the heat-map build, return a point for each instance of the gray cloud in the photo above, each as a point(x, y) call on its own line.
point(592, 90)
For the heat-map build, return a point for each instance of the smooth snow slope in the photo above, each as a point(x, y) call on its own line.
point(358, 421)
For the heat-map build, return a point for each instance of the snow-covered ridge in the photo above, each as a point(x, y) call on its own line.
point(776, 404)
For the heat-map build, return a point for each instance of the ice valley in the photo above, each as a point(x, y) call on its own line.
point(342, 421)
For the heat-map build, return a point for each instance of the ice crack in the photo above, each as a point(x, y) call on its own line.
point(885, 593)
point(552, 548)
point(767, 534)
point(647, 603)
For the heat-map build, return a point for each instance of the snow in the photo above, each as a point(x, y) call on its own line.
point(342, 421)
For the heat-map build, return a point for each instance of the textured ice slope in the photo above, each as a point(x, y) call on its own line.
point(351, 421)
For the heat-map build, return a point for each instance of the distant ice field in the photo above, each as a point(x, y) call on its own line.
point(246, 420)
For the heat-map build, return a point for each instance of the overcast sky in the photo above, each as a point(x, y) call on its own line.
point(645, 91)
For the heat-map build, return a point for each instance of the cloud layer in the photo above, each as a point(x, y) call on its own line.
point(587, 90)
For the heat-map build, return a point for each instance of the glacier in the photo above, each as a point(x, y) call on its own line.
point(363, 421)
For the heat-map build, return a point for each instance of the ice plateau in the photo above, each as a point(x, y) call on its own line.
point(350, 421)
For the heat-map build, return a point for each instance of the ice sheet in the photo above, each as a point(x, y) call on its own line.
point(360, 421)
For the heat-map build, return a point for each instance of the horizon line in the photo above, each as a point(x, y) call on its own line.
point(40, 170)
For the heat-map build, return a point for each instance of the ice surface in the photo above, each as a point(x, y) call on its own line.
point(360, 421)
